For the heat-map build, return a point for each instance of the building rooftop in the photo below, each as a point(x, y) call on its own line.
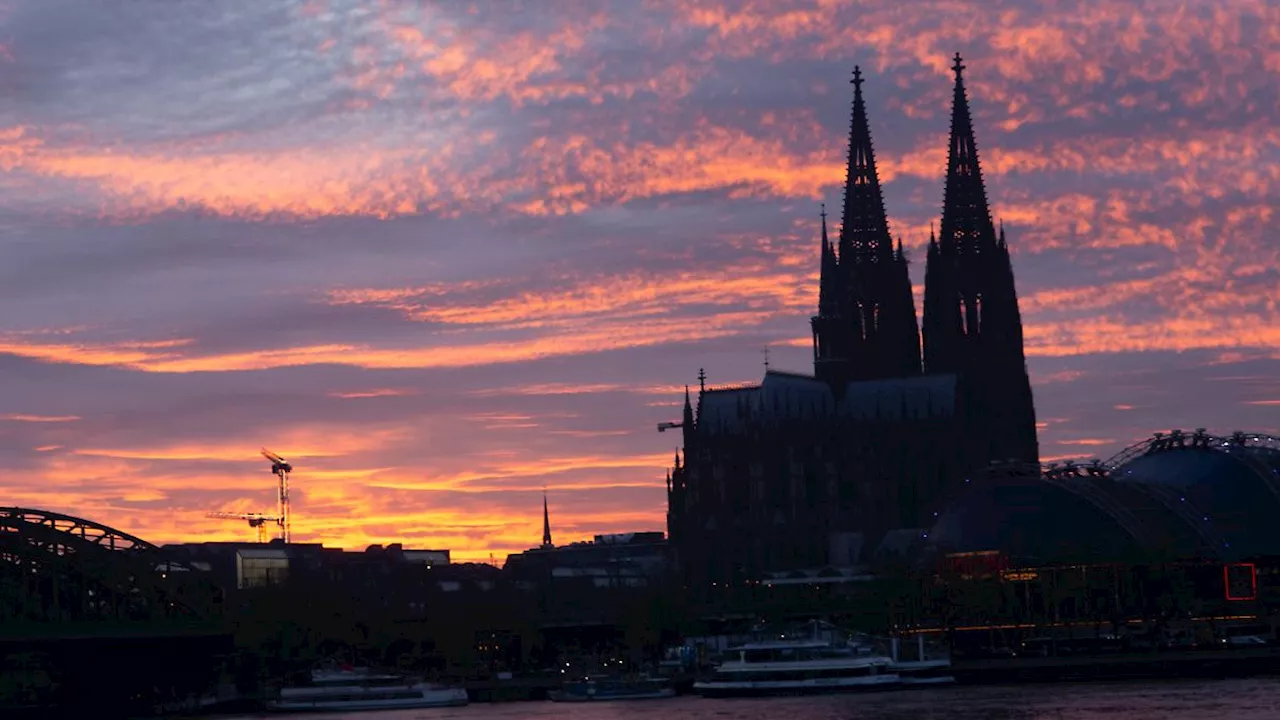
point(786, 397)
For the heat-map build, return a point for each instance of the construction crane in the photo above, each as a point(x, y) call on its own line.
point(256, 520)
point(281, 469)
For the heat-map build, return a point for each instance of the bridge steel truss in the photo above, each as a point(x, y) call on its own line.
point(60, 569)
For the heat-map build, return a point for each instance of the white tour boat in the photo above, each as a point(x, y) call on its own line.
point(788, 667)
point(356, 689)
point(609, 689)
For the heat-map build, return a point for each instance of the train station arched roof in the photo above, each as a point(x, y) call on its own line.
point(1175, 495)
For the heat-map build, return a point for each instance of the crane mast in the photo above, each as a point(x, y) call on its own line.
point(281, 469)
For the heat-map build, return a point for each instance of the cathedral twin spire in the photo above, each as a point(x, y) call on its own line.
point(966, 219)
point(972, 324)
point(866, 323)
point(864, 234)
point(971, 306)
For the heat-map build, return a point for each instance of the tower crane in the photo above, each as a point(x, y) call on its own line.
point(281, 469)
point(256, 520)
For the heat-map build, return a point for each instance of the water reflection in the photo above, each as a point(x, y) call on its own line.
point(1168, 700)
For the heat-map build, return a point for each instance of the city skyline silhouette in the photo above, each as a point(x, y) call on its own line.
point(441, 261)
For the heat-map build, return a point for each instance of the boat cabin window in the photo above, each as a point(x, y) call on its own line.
point(799, 654)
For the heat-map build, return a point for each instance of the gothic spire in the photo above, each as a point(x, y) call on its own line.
point(687, 422)
point(972, 325)
point(828, 280)
point(966, 219)
point(546, 522)
point(830, 340)
point(864, 235)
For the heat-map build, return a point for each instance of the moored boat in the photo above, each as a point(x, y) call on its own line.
point(791, 667)
point(360, 689)
point(613, 688)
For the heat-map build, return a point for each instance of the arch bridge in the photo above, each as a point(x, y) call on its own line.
point(58, 571)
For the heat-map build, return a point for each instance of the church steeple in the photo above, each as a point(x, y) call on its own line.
point(972, 325)
point(546, 523)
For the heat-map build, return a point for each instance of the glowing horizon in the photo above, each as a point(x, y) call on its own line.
point(445, 256)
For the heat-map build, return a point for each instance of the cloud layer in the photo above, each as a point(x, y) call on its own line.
point(444, 256)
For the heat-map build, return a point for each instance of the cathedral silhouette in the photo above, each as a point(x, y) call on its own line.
point(851, 463)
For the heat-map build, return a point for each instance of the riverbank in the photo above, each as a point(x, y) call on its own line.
point(1237, 662)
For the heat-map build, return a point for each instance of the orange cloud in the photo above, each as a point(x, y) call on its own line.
point(1108, 335)
point(375, 393)
point(351, 181)
point(299, 442)
point(1091, 442)
point(154, 493)
point(483, 479)
point(633, 296)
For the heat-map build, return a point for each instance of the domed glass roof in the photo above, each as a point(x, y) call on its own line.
point(1235, 489)
point(1210, 497)
point(1032, 521)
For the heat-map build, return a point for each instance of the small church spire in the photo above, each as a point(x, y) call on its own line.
point(687, 420)
point(828, 278)
point(546, 523)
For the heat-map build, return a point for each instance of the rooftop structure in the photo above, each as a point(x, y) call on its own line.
point(1172, 496)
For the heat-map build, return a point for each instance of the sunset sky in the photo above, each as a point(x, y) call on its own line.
point(444, 255)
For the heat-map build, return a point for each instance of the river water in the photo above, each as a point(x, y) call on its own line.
point(1164, 700)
